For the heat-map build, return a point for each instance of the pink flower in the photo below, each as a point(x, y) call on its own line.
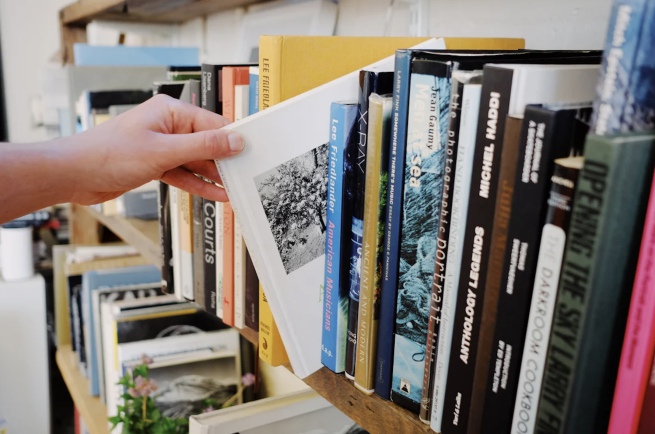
point(208, 409)
point(146, 360)
point(133, 392)
point(248, 379)
point(143, 386)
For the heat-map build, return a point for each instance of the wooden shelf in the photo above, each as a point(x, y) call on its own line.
point(82, 12)
point(91, 409)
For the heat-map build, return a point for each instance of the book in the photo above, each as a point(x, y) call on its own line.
point(471, 96)
point(209, 253)
point(209, 88)
point(239, 277)
point(326, 58)
point(241, 101)
point(336, 296)
point(176, 254)
point(271, 349)
point(634, 375)
point(549, 264)
point(596, 278)
point(251, 312)
point(289, 260)
point(507, 89)
point(375, 211)
point(427, 136)
point(353, 209)
point(219, 259)
point(186, 244)
point(198, 252)
point(228, 264)
point(232, 76)
point(182, 73)
point(122, 55)
point(140, 203)
point(253, 91)
point(647, 419)
point(621, 46)
point(165, 234)
point(548, 133)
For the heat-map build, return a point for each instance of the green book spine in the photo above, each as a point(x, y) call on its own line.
point(595, 284)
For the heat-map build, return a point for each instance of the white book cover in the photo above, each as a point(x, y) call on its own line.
point(175, 240)
point(239, 277)
point(277, 187)
point(185, 200)
point(297, 412)
point(219, 259)
point(461, 190)
point(241, 105)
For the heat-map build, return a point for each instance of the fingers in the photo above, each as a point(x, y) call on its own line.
point(190, 183)
point(205, 145)
point(206, 169)
point(187, 118)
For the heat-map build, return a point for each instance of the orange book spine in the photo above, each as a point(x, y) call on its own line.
point(227, 89)
point(228, 264)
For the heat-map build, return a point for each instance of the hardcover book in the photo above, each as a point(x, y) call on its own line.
point(336, 296)
point(271, 349)
point(228, 264)
point(253, 91)
point(252, 295)
point(427, 137)
point(232, 76)
point(210, 247)
point(239, 277)
point(165, 235)
point(198, 252)
point(595, 284)
point(219, 258)
point(174, 196)
point(186, 244)
point(375, 212)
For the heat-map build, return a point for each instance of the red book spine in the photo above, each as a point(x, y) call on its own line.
point(227, 88)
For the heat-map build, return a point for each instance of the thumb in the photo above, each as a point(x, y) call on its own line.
point(202, 145)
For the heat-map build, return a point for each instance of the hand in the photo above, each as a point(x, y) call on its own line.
point(162, 139)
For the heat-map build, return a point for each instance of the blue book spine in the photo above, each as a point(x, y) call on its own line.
point(427, 135)
point(336, 298)
point(120, 55)
point(618, 64)
point(253, 94)
point(639, 112)
point(386, 323)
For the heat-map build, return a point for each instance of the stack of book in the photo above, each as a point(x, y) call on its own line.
point(459, 232)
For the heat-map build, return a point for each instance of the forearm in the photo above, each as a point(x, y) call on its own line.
point(34, 176)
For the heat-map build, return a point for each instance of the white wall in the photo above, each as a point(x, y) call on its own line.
point(29, 34)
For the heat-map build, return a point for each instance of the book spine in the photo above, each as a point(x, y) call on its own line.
point(384, 363)
point(241, 101)
point(186, 244)
point(165, 240)
point(377, 163)
point(544, 136)
point(617, 67)
point(239, 276)
point(209, 88)
point(336, 299)
point(639, 340)
point(463, 174)
point(219, 258)
point(440, 260)
point(497, 251)
point(194, 86)
point(210, 246)
point(427, 125)
point(228, 77)
point(253, 92)
point(271, 349)
point(540, 320)
point(228, 264)
point(252, 295)
point(639, 111)
point(174, 195)
point(270, 61)
point(647, 418)
point(595, 284)
point(496, 89)
point(198, 253)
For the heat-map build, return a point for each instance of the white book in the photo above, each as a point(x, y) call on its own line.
point(297, 412)
point(463, 173)
point(219, 259)
point(239, 277)
point(287, 143)
point(175, 240)
point(185, 200)
point(241, 104)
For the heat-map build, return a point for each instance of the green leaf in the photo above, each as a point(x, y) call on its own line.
point(181, 421)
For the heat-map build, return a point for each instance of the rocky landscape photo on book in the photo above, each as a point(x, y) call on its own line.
point(294, 199)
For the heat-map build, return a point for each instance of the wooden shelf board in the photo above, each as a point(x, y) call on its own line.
point(250, 334)
point(91, 409)
point(156, 11)
point(371, 412)
point(141, 234)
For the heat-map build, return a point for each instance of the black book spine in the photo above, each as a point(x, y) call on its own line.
point(545, 136)
point(209, 88)
point(439, 276)
point(198, 252)
point(210, 238)
point(165, 237)
point(252, 295)
point(496, 89)
point(369, 82)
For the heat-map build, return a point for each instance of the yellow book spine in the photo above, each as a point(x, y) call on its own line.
point(367, 325)
point(271, 349)
point(270, 65)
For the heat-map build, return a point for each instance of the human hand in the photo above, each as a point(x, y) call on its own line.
point(162, 139)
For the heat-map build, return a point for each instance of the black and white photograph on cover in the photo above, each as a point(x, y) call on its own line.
point(294, 197)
